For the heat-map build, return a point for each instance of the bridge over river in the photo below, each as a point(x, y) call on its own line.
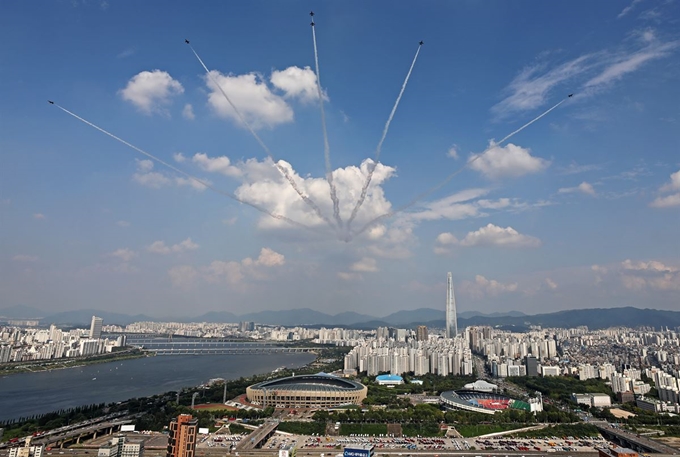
point(203, 346)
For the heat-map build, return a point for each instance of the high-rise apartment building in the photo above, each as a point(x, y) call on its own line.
point(182, 436)
point(421, 333)
point(451, 319)
point(531, 366)
point(96, 328)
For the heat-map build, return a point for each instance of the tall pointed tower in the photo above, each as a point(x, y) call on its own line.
point(451, 319)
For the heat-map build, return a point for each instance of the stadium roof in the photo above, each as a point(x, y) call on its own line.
point(389, 377)
point(319, 382)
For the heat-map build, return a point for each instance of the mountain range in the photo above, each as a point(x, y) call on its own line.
point(594, 318)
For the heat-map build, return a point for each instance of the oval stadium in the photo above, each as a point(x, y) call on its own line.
point(480, 402)
point(319, 390)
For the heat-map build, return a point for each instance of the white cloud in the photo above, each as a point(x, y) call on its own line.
point(179, 157)
point(126, 53)
point(651, 274)
point(492, 235)
point(481, 287)
point(25, 258)
point(366, 264)
point(672, 199)
point(628, 9)
point(123, 224)
point(220, 164)
point(183, 276)
point(531, 89)
point(230, 221)
point(180, 181)
point(453, 152)
point(667, 201)
point(297, 82)
point(188, 112)
point(151, 91)
point(124, 254)
point(444, 242)
point(253, 98)
point(155, 180)
point(575, 168)
point(508, 161)
point(454, 207)
point(235, 273)
point(584, 188)
point(552, 285)
point(39, 216)
point(159, 247)
point(629, 62)
point(349, 276)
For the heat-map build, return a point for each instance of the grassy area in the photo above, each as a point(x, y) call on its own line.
point(561, 430)
point(216, 407)
point(469, 431)
point(424, 429)
point(366, 429)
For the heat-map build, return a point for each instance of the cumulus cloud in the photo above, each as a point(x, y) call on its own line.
point(220, 164)
point(453, 152)
point(156, 180)
point(251, 95)
point(492, 235)
point(179, 157)
point(672, 199)
point(151, 91)
point(366, 265)
point(124, 254)
point(25, 258)
point(297, 82)
point(159, 247)
point(652, 275)
point(482, 287)
point(183, 276)
point(584, 188)
point(508, 161)
point(552, 285)
point(188, 112)
point(444, 243)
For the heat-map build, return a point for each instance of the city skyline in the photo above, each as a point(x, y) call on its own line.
point(578, 210)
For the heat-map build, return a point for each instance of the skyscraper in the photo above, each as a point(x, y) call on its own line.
point(451, 319)
point(182, 436)
point(421, 333)
point(96, 328)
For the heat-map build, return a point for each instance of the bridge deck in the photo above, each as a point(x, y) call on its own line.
point(258, 437)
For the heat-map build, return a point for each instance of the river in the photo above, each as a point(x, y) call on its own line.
point(26, 394)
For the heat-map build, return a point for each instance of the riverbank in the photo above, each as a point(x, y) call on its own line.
point(72, 362)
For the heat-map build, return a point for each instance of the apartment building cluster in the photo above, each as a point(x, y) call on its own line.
point(405, 353)
point(19, 344)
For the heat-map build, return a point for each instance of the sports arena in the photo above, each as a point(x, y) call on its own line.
point(319, 390)
point(480, 402)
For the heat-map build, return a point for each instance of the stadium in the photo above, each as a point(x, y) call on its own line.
point(319, 390)
point(481, 402)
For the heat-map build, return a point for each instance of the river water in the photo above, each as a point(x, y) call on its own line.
point(27, 394)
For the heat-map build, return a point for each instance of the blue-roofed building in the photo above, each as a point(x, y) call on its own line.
point(389, 380)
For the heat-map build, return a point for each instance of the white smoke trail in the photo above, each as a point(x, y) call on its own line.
point(190, 176)
point(281, 169)
point(378, 149)
point(455, 173)
point(326, 146)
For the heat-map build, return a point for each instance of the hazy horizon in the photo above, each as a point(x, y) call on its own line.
point(579, 210)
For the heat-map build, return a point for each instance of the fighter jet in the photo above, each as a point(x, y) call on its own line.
point(571, 95)
point(51, 102)
point(186, 41)
point(311, 13)
point(421, 43)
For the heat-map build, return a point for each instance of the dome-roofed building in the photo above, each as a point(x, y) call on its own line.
point(320, 390)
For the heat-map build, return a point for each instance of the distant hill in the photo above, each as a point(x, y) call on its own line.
point(83, 318)
point(415, 315)
point(21, 312)
point(469, 314)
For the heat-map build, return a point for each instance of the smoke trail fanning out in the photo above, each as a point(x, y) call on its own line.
point(452, 175)
point(182, 172)
point(378, 149)
point(281, 169)
point(326, 147)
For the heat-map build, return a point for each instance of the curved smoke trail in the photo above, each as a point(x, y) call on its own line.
point(281, 169)
point(378, 149)
point(452, 175)
point(326, 146)
point(190, 176)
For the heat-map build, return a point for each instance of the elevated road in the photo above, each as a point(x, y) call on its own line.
point(260, 436)
point(632, 440)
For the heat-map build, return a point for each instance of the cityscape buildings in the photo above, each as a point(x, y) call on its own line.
point(96, 328)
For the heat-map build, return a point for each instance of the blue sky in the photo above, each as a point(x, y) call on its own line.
point(580, 209)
